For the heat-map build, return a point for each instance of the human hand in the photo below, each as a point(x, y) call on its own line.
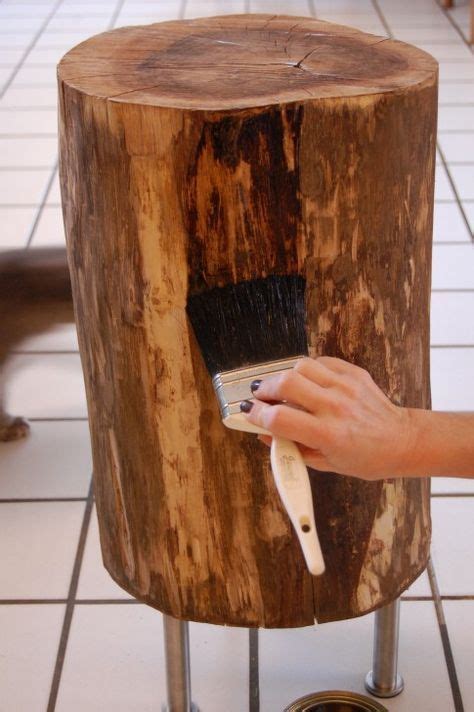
point(338, 416)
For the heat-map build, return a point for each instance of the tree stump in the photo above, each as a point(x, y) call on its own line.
point(217, 150)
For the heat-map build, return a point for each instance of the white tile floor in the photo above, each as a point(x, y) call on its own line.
point(105, 653)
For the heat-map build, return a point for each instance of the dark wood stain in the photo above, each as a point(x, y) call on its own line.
point(243, 161)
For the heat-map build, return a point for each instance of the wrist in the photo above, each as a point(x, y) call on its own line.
point(442, 444)
point(417, 461)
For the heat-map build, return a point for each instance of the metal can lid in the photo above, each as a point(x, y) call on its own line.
point(335, 701)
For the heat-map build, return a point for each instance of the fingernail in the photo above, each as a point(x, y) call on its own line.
point(246, 406)
point(255, 384)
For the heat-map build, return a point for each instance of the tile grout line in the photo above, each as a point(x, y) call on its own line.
point(65, 419)
point(135, 601)
point(20, 206)
point(440, 151)
point(21, 16)
point(454, 24)
point(434, 42)
point(40, 209)
point(109, 602)
point(442, 290)
point(38, 84)
point(68, 614)
point(443, 630)
point(441, 60)
point(42, 352)
point(58, 419)
point(450, 132)
point(448, 654)
point(454, 189)
point(382, 18)
point(443, 159)
point(42, 205)
point(28, 49)
point(26, 168)
point(31, 601)
point(47, 352)
point(78, 601)
point(452, 494)
point(52, 107)
point(40, 500)
point(114, 16)
point(40, 135)
point(254, 676)
point(451, 201)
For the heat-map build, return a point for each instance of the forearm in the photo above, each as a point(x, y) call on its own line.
point(443, 444)
point(344, 423)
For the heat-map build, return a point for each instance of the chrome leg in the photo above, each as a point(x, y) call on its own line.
point(383, 680)
point(178, 676)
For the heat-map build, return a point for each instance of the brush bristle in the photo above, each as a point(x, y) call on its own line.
point(250, 322)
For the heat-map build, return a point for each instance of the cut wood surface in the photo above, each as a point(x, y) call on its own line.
point(204, 152)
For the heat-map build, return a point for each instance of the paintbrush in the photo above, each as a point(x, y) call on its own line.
point(247, 331)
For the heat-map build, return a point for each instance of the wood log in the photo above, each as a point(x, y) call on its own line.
point(200, 153)
point(471, 33)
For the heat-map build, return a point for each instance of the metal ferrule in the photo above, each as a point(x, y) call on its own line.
point(232, 387)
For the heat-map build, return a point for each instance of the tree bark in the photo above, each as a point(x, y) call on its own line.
point(199, 153)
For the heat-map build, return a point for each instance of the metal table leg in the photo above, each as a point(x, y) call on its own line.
point(178, 677)
point(383, 680)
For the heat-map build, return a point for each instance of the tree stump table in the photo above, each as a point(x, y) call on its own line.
point(199, 153)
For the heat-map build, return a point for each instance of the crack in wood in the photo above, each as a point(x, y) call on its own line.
point(273, 17)
point(308, 54)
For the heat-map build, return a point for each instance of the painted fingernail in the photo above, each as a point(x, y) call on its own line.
point(255, 384)
point(246, 406)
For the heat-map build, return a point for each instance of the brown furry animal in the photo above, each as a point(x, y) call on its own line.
point(35, 294)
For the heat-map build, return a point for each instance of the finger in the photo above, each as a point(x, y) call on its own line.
point(339, 365)
point(286, 422)
point(312, 458)
point(316, 371)
point(291, 386)
point(334, 364)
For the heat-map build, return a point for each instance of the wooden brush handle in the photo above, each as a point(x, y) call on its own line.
point(292, 481)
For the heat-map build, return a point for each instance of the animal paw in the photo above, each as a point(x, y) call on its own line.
point(13, 429)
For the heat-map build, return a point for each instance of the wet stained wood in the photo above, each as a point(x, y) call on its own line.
point(201, 153)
